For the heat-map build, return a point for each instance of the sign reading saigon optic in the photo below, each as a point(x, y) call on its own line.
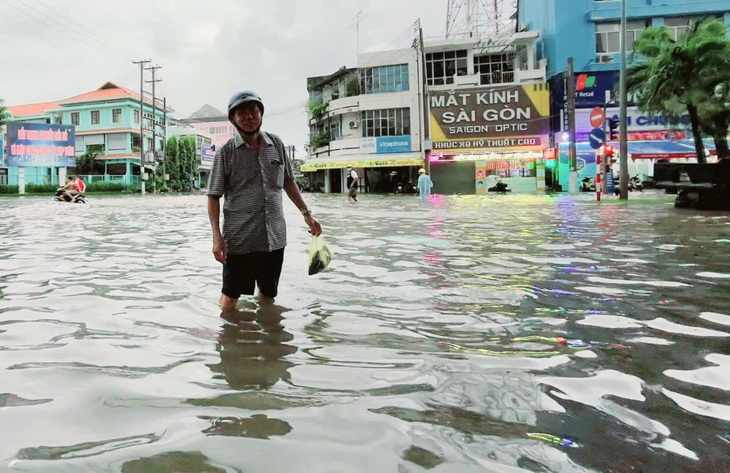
point(495, 117)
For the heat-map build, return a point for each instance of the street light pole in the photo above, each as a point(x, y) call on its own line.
point(624, 145)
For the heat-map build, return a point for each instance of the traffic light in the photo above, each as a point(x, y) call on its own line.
point(608, 153)
point(613, 130)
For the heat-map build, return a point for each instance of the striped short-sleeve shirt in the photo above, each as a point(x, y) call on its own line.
point(251, 185)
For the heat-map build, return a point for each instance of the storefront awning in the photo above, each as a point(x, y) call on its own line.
point(655, 149)
point(362, 161)
point(665, 149)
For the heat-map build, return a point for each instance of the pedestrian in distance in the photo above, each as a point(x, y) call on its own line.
point(424, 184)
point(250, 172)
point(352, 184)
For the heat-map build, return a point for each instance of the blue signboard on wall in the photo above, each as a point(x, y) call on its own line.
point(207, 154)
point(590, 89)
point(40, 144)
point(393, 144)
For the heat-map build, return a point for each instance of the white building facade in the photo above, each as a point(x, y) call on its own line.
point(404, 109)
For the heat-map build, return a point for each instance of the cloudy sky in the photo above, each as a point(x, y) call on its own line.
point(208, 49)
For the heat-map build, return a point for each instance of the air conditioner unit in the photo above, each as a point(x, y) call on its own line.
point(604, 58)
point(354, 124)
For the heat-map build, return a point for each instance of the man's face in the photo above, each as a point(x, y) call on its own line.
point(248, 117)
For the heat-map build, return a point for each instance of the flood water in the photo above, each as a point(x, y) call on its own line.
point(434, 342)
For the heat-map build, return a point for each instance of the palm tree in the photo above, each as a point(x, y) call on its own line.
point(715, 113)
point(674, 74)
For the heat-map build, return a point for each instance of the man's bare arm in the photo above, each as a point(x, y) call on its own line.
point(214, 215)
point(292, 190)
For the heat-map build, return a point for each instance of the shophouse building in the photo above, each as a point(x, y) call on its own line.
point(472, 110)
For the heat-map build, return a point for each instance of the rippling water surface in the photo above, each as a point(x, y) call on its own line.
point(440, 339)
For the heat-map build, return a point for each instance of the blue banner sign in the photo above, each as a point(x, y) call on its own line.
point(207, 154)
point(393, 144)
point(39, 144)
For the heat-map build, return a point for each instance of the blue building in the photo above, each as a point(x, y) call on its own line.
point(589, 32)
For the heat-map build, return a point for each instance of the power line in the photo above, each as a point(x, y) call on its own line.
point(86, 30)
point(71, 33)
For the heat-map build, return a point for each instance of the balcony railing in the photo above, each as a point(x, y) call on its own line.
point(497, 78)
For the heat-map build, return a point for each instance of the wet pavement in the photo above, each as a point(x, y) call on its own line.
point(465, 334)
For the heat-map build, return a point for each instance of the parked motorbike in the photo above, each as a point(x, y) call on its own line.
point(635, 184)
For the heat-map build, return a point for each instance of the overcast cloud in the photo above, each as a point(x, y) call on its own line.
point(208, 49)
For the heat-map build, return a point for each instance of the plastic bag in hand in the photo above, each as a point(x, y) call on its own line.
point(319, 255)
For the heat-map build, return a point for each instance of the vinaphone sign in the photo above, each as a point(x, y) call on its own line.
point(496, 118)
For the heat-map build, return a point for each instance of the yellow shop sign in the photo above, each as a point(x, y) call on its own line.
point(317, 164)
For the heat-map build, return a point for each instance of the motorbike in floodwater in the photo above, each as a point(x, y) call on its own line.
point(500, 187)
point(62, 196)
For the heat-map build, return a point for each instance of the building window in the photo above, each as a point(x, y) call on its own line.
point(75, 118)
point(116, 115)
point(442, 67)
point(136, 117)
point(95, 117)
point(135, 144)
point(335, 133)
point(678, 26)
point(608, 36)
point(375, 80)
point(389, 122)
point(95, 149)
point(116, 141)
point(495, 68)
point(219, 130)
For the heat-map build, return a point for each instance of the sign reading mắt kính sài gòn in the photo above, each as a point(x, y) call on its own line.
point(495, 117)
point(40, 144)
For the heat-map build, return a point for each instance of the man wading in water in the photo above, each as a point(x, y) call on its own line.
point(249, 172)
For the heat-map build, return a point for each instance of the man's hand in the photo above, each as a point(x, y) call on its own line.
point(314, 226)
point(219, 249)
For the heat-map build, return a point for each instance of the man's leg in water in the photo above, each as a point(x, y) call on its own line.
point(228, 304)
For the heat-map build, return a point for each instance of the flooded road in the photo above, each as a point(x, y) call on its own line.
point(466, 334)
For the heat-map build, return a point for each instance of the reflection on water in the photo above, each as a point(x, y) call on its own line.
point(252, 347)
point(462, 334)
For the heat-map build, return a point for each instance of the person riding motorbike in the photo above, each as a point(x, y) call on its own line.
point(68, 191)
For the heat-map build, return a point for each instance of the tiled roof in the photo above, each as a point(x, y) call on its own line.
point(32, 110)
point(207, 111)
point(108, 91)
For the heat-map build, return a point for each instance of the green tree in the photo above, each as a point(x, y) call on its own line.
point(715, 113)
point(188, 162)
point(674, 73)
point(87, 164)
point(172, 164)
point(4, 113)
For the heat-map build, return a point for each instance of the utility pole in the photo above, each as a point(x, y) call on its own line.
point(357, 28)
point(573, 178)
point(141, 63)
point(164, 146)
point(623, 145)
point(424, 88)
point(154, 108)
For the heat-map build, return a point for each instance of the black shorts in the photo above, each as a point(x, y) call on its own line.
point(241, 273)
